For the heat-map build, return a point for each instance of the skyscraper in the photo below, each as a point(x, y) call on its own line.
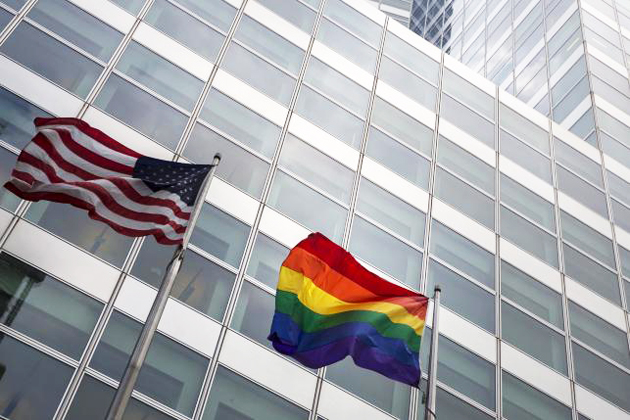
point(330, 117)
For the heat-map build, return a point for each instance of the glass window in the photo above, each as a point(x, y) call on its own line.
point(186, 29)
point(220, 234)
point(385, 252)
point(524, 129)
point(293, 11)
point(599, 334)
point(15, 4)
point(254, 312)
point(142, 111)
point(407, 83)
point(450, 407)
point(581, 191)
point(253, 402)
point(462, 296)
point(529, 237)
point(204, 143)
point(467, 120)
point(466, 165)
point(270, 45)
point(316, 168)
point(534, 338)
point(74, 225)
point(624, 257)
point(240, 123)
point(601, 377)
point(159, 75)
point(32, 384)
point(462, 254)
point(578, 163)
point(330, 117)
point(337, 86)
point(621, 215)
point(402, 126)
point(132, 6)
point(398, 158)
point(16, 119)
point(267, 257)
point(52, 59)
point(527, 203)
point(200, 283)
point(347, 45)
point(45, 309)
point(523, 402)
point(8, 200)
point(354, 21)
point(217, 12)
point(532, 295)
point(468, 94)
point(587, 239)
point(412, 58)
point(525, 157)
point(172, 374)
point(619, 188)
point(78, 27)
point(594, 276)
point(307, 207)
point(391, 212)
point(259, 74)
point(391, 396)
point(465, 198)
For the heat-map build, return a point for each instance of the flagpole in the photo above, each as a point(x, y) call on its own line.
point(128, 381)
point(429, 409)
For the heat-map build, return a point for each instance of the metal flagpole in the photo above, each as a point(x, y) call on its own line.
point(429, 409)
point(128, 381)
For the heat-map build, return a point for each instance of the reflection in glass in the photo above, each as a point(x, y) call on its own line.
point(16, 119)
point(529, 237)
point(267, 256)
point(412, 58)
point(591, 274)
point(524, 129)
point(464, 164)
point(522, 402)
point(467, 120)
point(403, 127)
point(407, 83)
point(581, 191)
point(347, 45)
point(353, 21)
point(254, 312)
point(293, 11)
point(8, 200)
point(132, 6)
point(527, 203)
point(587, 239)
point(526, 157)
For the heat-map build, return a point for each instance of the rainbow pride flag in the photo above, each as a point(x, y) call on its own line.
point(328, 306)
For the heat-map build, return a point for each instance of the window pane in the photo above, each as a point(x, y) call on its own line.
point(132, 6)
point(385, 252)
point(51, 59)
point(534, 338)
point(529, 237)
point(468, 94)
point(463, 297)
point(347, 45)
point(601, 377)
point(77, 27)
point(15, 4)
point(45, 309)
point(32, 384)
point(391, 212)
point(75, 226)
point(16, 119)
point(621, 215)
point(379, 390)
point(467, 120)
point(330, 117)
point(592, 275)
point(578, 163)
point(186, 29)
point(8, 200)
point(220, 234)
point(267, 257)
point(524, 129)
point(522, 402)
point(204, 143)
point(398, 158)
point(619, 188)
point(599, 334)
point(253, 402)
point(587, 239)
point(253, 314)
point(337, 86)
point(293, 11)
point(407, 83)
point(525, 157)
point(527, 203)
point(462, 254)
point(452, 408)
point(624, 256)
point(307, 207)
point(316, 168)
point(412, 58)
point(218, 12)
point(466, 165)
point(200, 283)
point(172, 374)
point(240, 123)
point(584, 193)
point(531, 294)
point(465, 198)
point(270, 45)
point(402, 126)
point(354, 21)
point(159, 75)
point(142, 111)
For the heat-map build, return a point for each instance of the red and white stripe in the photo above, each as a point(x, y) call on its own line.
point(70, 162)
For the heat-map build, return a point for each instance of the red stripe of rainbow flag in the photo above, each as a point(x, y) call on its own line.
point(328, 306)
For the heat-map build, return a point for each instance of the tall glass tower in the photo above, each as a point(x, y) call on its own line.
point(330, 117)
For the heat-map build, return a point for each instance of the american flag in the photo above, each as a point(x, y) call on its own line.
point(70, 162)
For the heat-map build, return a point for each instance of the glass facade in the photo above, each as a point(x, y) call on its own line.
point(330, 117)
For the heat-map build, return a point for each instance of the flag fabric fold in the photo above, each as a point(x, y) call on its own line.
point(328, 306)
point(70, 162)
